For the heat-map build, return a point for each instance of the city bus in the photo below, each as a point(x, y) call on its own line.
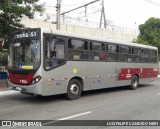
point(49, 62)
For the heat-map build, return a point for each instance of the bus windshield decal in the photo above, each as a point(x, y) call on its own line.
point(27, 66)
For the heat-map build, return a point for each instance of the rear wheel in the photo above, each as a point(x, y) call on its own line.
point(134, 82)
point(74, 89)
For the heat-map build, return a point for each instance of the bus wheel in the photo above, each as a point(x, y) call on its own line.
point(134, 82)
point(74, 89)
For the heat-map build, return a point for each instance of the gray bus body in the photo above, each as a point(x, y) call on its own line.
point(91, 73)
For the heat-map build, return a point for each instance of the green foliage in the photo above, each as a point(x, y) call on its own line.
point(150, 33)
point(11, 12)
point(3, 58)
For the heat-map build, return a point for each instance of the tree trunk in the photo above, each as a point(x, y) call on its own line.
point(1, 44)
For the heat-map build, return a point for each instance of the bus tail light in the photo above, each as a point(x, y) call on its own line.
point(36, 79)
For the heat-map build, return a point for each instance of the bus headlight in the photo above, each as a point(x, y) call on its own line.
point(36, 79)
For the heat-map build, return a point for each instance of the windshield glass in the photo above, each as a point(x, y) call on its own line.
point(26, 54)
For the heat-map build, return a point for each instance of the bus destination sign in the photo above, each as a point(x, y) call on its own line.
point(27, 34)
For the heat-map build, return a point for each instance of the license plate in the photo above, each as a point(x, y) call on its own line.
point(18, 88)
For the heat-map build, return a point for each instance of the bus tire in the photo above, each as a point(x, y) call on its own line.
point(74, 89)
point(134, 82)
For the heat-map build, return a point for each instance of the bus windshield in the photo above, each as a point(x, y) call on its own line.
point(26, 54)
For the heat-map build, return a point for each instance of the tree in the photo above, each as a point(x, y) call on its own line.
point(3, 58)
point(150, 33)
point(11, 12)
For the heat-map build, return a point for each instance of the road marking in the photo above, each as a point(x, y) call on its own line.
point(158, 94)
point(9, 92)
point(81, 114)
point(66, 118)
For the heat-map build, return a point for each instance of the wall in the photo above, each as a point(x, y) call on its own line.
point(98, 32)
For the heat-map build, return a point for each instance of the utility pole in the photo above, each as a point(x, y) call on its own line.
point(58, 14)
point(103, 16)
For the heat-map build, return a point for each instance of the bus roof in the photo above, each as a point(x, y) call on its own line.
point(81, 36)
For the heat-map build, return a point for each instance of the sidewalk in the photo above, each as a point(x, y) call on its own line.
point(3, 85)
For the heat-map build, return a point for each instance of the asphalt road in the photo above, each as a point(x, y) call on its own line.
point(107, 104)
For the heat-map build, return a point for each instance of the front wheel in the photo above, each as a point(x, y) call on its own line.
point(134, 82)
point(74, 89)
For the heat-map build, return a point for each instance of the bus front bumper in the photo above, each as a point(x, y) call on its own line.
point(26, 89)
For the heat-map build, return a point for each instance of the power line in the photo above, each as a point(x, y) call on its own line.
point(69, 5)
point(85, 5)
point(153, 2)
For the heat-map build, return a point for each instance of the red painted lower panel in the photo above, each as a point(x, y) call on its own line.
point(24, 79)
point(127, 73)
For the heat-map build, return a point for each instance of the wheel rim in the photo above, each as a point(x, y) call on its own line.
point(74, 89)
point(135, 83)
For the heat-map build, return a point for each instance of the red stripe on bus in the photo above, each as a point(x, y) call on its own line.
point(127, 73)
point(21, 78)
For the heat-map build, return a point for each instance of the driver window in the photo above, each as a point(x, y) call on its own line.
point(54, 51)
point(59, 51)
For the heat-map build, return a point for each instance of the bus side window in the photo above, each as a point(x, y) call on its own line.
point(101, 56)
point(77, 49)
point(135, 54)
point(125, 52)
point(144, 55)
point(112, 52)
point(153, 56)
point(59, 50)
point(97, 51)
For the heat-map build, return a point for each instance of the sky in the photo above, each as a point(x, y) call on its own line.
point(126, 13)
